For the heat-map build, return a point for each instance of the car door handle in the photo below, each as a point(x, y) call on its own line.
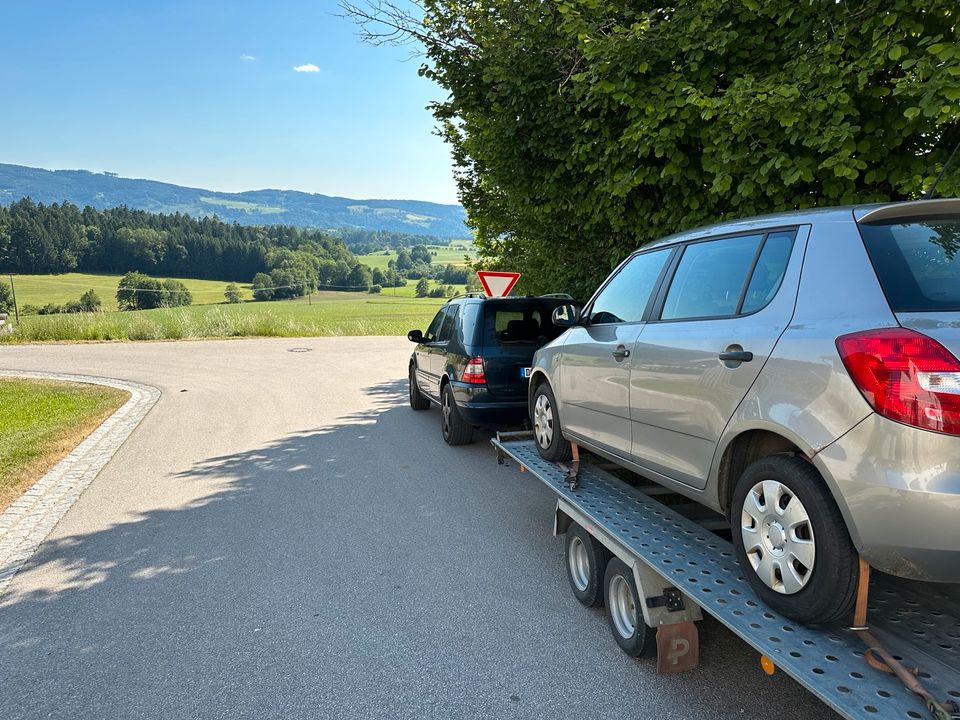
point(737, 356)
point(620, 353)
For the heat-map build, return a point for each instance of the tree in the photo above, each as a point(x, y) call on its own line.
point(420, 253)
point(262, 286)
point(136, 291)
point(582, 131)
point(90, 302)
point(287, 284)
point(359, 278)
point(233, 294)
point(6, 298)
point(404, 260)
point(423, 288)
point(175, 294)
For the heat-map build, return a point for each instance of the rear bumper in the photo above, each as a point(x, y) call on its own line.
point(899, 490)
point(478, 407)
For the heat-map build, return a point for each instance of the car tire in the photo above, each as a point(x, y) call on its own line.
point(418, 401)
point(546, 426)
point(624, 612)
point(586, 561)
point(791, 541)
point(456, 430)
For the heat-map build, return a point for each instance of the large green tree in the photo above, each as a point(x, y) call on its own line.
point(584, 129)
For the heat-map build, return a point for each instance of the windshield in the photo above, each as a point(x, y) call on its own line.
point(918, 263)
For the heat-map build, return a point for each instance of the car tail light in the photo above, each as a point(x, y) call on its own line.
point(473, 372)
point(905, 376)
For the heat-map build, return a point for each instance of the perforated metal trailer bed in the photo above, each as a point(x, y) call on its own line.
point(680, 568)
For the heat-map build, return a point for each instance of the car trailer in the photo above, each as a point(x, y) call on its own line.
point(905, 664)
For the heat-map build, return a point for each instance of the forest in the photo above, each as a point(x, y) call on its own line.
point(58, 238)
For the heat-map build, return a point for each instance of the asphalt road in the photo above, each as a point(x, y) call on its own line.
point(283, 537)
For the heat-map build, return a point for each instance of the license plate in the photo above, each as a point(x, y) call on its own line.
point(525, 372)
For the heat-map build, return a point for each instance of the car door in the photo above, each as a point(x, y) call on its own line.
point(427, 379)
point(438, 349)
point(712, 329)
point(594, 382)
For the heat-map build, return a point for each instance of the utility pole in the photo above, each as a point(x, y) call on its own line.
point(16, 310)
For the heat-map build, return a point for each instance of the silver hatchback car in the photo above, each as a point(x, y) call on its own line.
point(797, 372)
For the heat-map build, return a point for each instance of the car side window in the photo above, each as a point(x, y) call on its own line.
point(710, 277)
point(449, 320)
point(625, 297)
point(431, 334)
point(768, 274)
point(468, 323)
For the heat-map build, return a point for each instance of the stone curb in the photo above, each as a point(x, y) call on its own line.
point(28, 521)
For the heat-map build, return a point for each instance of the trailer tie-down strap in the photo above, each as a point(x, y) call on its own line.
point(878, 658)
point(573, 469)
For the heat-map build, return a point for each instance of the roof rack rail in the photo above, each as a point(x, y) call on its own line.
point(477, 294)
point(471, 294)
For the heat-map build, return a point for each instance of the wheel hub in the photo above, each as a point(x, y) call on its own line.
point(579, 564)
point(622, 609)
point(775, 536)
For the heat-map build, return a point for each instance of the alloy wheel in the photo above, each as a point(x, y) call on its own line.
point(446, 413)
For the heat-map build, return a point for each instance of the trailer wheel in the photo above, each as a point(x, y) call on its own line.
point(586, 562)
point(624, 612)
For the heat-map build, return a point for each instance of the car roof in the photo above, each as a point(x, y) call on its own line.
point(843, 213)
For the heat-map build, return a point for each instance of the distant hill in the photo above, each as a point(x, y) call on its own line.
point(254, 207)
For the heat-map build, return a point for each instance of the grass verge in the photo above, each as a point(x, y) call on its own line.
point(42, 421)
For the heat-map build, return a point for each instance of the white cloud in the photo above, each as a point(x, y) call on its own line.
point(308, 67)
point(248, 58)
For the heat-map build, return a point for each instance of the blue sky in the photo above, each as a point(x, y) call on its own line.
point(203, 93)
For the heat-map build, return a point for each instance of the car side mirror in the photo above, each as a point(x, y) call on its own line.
point(415, 336)
point(566, 315)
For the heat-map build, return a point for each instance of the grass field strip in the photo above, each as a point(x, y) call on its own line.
point(30, 519)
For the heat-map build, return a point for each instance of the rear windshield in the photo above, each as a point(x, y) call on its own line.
point(525, 322)
point(918, 263)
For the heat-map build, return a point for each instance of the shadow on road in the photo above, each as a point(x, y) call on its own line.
point(362, 569)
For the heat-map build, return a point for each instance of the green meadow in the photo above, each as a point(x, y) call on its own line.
point(326, 313)
point(445, 255)
point(38, 290)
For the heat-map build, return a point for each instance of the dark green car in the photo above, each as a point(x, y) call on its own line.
point(474, 360)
